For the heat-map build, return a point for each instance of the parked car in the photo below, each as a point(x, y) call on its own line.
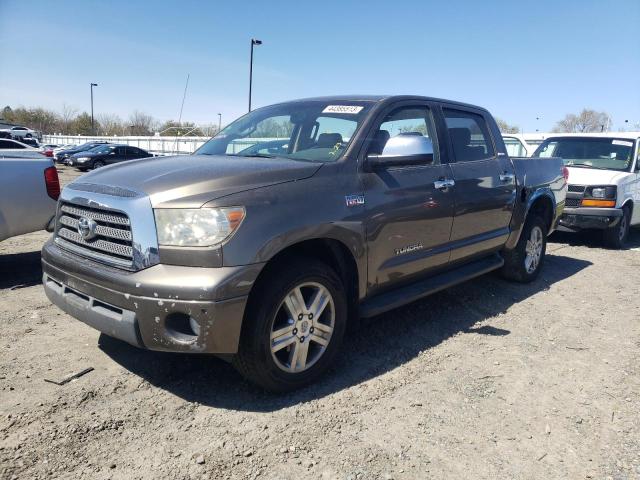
point(105, 155)
point(19, 132)
point(47, 150)
point(10, 144)
point(29, 189)
point(517, 145)
point(62, 155)
point(32, 142)
point(604, 188)
point(378, 202)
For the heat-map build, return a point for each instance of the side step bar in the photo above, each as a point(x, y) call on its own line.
point(415, 291)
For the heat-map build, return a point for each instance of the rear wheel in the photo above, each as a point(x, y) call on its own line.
point(293, 327)
point(524, 262)
point(617, 236)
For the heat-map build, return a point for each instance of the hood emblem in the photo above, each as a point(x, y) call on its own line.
point(87, 228)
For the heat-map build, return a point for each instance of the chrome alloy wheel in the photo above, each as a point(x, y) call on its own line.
point(302, 327)
point(533, 250)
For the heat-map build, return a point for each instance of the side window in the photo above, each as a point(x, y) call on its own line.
point(515, 148)
point(7, 144)
point(121, 151)
point(469, 135)
point(406, 127)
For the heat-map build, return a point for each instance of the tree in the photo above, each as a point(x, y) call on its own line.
point(587, 121)
point(6, 112)
point(140, 123)
point(81, 125)
point(110, 125)
point(175, 129)
point(67, 116)
point(505, 127)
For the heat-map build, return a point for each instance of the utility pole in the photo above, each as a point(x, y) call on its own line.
point(219, 122)
point(93, 131)
point(253, 42)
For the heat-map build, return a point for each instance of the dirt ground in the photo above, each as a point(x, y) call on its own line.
point(488, 380)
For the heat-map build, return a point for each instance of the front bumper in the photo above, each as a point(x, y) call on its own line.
point(164, 307)
point(580, 218)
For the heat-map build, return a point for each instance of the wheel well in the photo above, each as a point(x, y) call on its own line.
point(543, 207)
point(628, 203)
point(332, 252)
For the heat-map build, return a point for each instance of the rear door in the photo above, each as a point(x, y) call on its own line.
point(485, 186)
point(408, 219)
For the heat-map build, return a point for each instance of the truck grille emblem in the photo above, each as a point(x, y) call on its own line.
point(87, 228)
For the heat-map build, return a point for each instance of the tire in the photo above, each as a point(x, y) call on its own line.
point(524, 262)
point(616, 237)
point(267, 360)
point(98, 164)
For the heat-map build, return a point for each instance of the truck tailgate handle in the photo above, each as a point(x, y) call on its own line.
point(444, 183)
point(507, 177)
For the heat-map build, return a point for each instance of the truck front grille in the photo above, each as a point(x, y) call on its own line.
point(112, 240)
point(572, 202)
point(576, 188)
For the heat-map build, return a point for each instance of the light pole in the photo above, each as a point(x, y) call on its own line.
point(93, 132)
point(219, 122)
point(253, 42)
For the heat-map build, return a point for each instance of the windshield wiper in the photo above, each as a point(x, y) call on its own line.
point(580, 165)
point(253, 155)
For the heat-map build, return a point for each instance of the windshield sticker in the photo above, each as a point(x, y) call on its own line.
point(622, 142)
point(349, 109)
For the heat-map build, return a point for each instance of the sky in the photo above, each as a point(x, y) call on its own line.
point(522, 60)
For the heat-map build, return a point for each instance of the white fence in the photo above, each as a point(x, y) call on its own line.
point(152, 144)
point(155, 144)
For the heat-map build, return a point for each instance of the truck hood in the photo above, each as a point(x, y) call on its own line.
point(593, 176)
point(191, 181)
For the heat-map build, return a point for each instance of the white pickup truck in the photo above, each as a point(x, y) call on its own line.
point(29, 190)
point(604, 182)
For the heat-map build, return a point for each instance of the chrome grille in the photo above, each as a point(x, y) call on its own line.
point(112, 242)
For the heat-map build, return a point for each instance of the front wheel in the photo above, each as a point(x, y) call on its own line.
point(617, 236)
point(98, 164)
point(524, 262)
point(293, 327)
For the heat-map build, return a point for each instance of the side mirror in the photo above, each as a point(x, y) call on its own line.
point(401, 150)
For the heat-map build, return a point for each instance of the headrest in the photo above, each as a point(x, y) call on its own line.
point(380, 139)
point(460, 136)
point(328, 140)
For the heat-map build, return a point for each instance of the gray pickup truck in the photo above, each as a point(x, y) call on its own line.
point(29, 189)
point(344, 207)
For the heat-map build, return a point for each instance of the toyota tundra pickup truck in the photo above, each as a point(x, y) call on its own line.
point(604, 190)
point(264, 258)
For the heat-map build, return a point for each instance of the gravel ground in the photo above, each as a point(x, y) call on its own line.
point(486, 380)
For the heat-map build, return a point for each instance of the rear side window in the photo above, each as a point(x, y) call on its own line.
point(469, 135)
point(7, 144)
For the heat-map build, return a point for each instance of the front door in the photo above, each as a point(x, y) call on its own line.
point(485, 185)
point(409, 219)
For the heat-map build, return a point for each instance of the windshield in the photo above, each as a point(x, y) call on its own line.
point(315, 131)
point(101, 149)
point(589, 152)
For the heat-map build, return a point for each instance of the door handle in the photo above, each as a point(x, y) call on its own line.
point(507, 177)
point(444, 183)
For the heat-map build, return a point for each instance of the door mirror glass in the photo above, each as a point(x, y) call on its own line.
point(404, 149)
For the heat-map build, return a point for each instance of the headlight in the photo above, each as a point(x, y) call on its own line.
point(197, 227)
point(82, 159)
point(608, 192)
